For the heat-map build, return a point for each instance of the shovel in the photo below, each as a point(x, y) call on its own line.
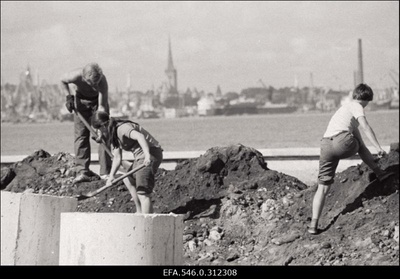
point(125, 164)
point(94, 193)
point(93, 132)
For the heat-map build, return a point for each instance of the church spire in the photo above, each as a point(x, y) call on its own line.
point(170, 66)
point(171, 71)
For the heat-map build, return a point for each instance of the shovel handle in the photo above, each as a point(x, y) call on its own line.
point(93, 132)
point(132, 171)
point(93, 193)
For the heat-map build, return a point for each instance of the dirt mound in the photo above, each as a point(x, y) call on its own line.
point(197, 184)
point(238, 211)
point(45, 174)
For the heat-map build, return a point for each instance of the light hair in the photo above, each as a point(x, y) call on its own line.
point(92, 72)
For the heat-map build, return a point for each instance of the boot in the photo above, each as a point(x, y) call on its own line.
point(81, 177)
point(313, 227)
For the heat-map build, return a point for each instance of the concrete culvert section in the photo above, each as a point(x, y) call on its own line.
point(30, 227)
point(121, 239)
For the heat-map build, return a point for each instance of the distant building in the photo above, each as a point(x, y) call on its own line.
point(206, 105)
point(169, 88)
point(171, 73)
point(218, 93)
point(163, 91)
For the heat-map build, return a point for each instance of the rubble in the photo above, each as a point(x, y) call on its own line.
point(240, 212)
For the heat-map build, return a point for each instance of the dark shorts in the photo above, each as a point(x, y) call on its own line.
point(341, 146)
point(143, 180)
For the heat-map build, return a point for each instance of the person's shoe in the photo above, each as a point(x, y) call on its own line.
point(90, 173)
point(104, 176)
point(382, 176)
point(312, 230)
point(82, 177)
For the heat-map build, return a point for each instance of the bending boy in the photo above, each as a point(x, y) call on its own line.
point(342, 139)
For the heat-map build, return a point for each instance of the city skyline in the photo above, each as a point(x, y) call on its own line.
point(226, 44)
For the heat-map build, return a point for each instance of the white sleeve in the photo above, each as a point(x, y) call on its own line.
point(357, 110)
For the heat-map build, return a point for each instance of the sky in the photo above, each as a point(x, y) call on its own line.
point(231, 44)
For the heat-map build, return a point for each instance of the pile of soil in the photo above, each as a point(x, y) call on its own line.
point(240, 212)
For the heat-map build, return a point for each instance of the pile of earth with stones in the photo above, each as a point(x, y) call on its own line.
point(237, 211)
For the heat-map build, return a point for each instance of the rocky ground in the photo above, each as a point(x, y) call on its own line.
point(240, 212)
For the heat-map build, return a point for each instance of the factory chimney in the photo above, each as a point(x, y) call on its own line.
point(360, 63)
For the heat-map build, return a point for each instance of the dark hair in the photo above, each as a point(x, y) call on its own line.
point(101, 118)
point(363, 92)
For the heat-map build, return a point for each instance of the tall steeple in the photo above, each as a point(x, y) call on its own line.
point(170, 66)
point(171, 71)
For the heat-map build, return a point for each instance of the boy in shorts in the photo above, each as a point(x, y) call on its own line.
point(130, 136)
point(342, 139)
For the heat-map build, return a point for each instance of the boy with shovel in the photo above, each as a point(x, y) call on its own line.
point(130, 136)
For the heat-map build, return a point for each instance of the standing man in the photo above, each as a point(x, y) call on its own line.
point(87, 92)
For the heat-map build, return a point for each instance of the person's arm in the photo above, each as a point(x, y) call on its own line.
point(117, 159)
point(139, 137)
point(103, 95)
point(370, 134)
point(357, 134)
point(68, 78)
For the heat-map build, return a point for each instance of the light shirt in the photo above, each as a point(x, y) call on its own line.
point(128, 144)
point(345, 119)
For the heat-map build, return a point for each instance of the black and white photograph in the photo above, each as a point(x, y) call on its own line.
point(200, 137)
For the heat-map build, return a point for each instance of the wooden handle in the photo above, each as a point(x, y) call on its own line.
point(93, 193)
point(93, 132)
point(132, 171)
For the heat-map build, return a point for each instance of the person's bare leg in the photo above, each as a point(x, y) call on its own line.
point(145, 201)
point(132, 191)
point(318, 204)
point(126, 165)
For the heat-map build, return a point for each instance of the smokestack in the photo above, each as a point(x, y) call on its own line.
point(360, 63)
point(355, 78)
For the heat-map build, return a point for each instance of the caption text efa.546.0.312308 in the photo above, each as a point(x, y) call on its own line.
point(214, 272)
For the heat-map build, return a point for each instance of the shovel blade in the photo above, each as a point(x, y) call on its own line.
point(114, 182)
point(82, 197)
